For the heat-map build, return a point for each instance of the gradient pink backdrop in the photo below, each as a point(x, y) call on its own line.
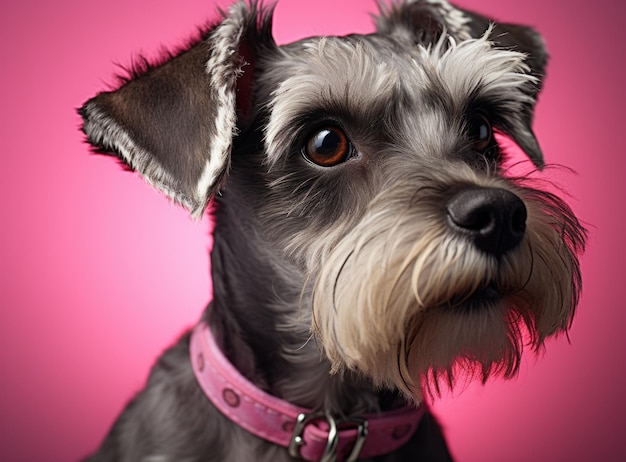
point(99, 273)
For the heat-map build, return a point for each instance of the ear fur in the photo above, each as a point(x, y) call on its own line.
point(423, 21)
point(174, 122)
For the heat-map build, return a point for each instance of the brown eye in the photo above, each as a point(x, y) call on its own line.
point(328, 147)
point(481, 133)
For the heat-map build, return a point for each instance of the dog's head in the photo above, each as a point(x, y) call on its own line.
point(372, 165)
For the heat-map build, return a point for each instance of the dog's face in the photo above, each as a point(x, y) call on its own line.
point(385, 187)
point(373, 168)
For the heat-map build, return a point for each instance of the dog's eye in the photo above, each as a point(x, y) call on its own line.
point(328, 147)
point(481, 133)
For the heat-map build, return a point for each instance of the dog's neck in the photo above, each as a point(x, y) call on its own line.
point(261, 319)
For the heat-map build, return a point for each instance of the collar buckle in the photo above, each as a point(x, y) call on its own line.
point(335, 425)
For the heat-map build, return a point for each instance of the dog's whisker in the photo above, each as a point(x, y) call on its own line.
point(303, 346)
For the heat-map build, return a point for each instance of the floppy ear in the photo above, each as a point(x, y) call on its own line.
point(174, 122)
point(423, 21)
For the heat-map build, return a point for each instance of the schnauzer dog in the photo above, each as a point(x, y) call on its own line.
point(370, 247)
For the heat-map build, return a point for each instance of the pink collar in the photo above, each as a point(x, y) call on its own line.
point(309, 436)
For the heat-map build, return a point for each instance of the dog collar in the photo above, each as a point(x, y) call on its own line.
point(308, 435)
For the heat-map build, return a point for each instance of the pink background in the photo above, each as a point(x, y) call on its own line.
point(99, 273)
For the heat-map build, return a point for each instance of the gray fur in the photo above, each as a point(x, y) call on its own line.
point(306, 256)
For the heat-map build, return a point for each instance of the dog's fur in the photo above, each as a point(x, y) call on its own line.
point(344, 288)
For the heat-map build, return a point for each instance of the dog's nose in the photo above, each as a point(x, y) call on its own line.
point(494, 218)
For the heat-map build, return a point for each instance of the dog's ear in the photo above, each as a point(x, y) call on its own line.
point(423, 21)
point(526, 40)
point(174, 122)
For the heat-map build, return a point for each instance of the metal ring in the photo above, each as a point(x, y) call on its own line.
point(330, 452)
point(361, 436)
point(297, 439)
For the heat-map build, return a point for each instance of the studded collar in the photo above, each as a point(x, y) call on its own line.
point(309, 436)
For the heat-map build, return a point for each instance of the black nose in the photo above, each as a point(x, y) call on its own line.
point(494, 218)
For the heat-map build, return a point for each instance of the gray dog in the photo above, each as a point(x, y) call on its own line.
point(368, 247)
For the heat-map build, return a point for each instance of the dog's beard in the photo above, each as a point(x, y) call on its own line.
point(411, 304)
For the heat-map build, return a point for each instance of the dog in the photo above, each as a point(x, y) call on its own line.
point(369, 246)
